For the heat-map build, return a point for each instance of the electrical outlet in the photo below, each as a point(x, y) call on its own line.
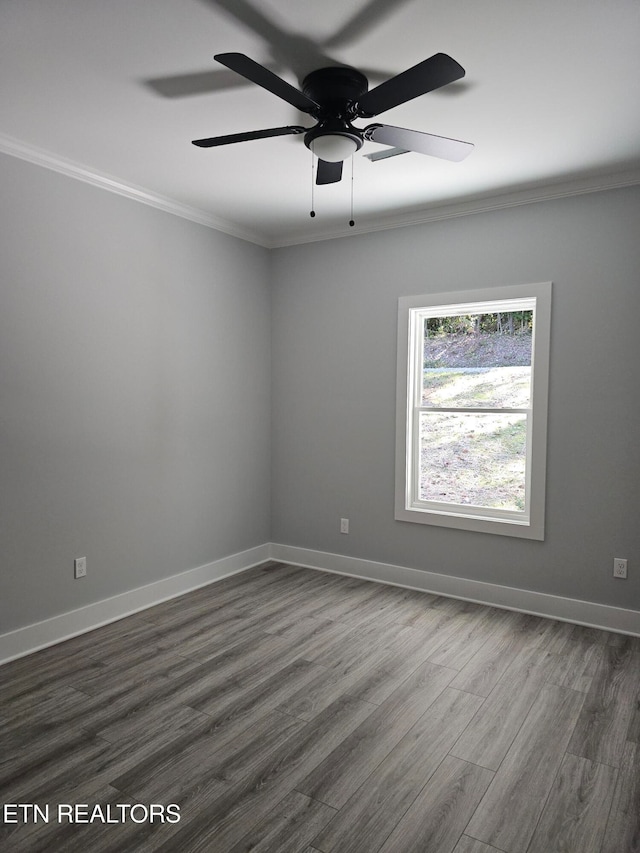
point(619, 567)
point(344, 525)
point(80, 567)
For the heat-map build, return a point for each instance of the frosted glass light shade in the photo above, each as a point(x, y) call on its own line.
point(333, 147)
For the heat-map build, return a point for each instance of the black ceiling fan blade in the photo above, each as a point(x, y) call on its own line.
point(230, 138)
point(422, 143)
point(268, 80)
point(424, 77)
point(328, 173)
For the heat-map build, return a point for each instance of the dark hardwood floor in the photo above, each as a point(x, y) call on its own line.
point(285, 710)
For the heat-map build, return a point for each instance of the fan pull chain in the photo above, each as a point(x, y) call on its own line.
point(352, 221)
point(312, 213)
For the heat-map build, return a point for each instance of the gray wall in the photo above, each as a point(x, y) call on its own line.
point(134, 394)
point(334, 361)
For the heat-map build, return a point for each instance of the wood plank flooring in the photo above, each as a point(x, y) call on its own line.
point(286, 710)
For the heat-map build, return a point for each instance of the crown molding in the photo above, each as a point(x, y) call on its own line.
point(480, 204)
point(435, 213)
point(40, 157)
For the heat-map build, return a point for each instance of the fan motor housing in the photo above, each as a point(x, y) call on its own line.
point(336, 89)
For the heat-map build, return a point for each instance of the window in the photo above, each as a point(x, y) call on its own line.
point(473, 373)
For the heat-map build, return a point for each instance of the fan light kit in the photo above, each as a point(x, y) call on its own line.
point(334, 147)
point(335, 97)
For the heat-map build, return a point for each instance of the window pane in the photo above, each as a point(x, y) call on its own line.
point(473, 459)
point(478, 360)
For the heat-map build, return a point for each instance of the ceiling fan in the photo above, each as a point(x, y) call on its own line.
point(338, 95)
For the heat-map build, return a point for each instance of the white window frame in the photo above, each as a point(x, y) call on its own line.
point(412, 310)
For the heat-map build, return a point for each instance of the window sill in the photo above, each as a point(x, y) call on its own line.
point(520, 528)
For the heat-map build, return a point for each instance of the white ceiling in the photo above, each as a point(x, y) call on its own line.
point(549, 100)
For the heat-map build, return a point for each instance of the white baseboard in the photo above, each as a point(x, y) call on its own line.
point(574, 610)
point(23, 641)
point(29, 639)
